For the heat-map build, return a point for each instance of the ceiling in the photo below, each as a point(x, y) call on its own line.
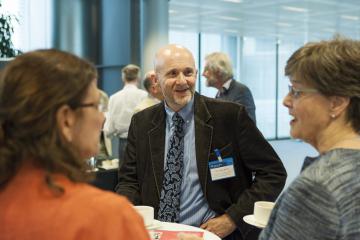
point(309, 20)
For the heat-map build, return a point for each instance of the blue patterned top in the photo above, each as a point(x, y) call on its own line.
point(323, 203)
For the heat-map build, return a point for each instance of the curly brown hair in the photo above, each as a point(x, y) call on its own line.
point(32, 88)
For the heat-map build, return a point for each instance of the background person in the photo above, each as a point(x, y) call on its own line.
point(170, 145)
point(324, 103)
point(105, 151)
point(122, 105)
point(219, 74)
point(50, 123)
point(154, 92)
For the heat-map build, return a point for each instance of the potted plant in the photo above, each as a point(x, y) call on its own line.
point(7, 49)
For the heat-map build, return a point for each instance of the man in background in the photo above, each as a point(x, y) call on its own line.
point(177, 151)
point(219, 74)
point(105, 151)
point(154, 92)
point(122, 105)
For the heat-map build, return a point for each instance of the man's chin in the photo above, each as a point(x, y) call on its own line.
point(183, 100)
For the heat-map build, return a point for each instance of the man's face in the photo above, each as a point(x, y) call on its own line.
point(211, 78)
point(176, 74)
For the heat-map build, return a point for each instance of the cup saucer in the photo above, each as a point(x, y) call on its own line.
point(154, 225)
point(250, 219)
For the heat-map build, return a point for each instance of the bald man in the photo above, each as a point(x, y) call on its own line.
point(154, 92)
point(193, 158)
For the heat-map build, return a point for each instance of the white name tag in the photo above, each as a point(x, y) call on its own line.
point(222, 169)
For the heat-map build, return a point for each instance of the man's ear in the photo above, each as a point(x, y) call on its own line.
point(153, 89)
point(65, 118)
point(338, 105)
point(152, 76)
point(155, 79)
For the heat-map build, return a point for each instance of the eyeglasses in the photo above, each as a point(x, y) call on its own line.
point(296, 93)
point(101, 106)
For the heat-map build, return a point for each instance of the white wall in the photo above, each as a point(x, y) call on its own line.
point(292, 153)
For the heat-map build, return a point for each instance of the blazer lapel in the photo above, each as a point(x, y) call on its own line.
point(203, 138)
point(157, 146)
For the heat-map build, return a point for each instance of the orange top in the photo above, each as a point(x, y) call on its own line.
point(30, 210)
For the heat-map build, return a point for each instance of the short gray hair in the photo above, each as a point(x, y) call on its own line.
point(218, 61)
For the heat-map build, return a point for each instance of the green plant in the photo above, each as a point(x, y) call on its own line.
point(6, 32)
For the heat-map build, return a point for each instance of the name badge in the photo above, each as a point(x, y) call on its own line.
point(222, 169)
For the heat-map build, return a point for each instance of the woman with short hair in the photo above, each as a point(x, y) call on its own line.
point(324, 103)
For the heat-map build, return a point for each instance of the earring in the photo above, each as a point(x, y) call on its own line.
point(333, 115)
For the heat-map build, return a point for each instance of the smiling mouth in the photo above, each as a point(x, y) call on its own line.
point(292, 120)
point(181, 90)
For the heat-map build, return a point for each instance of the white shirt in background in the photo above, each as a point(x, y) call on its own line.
point(121, 108)
point(145, 103)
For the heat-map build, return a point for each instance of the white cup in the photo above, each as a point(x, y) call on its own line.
point(262, 211)
point(147, 214)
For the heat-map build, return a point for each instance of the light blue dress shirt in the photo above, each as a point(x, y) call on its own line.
point(194, 209)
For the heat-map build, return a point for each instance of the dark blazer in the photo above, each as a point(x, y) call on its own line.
point(240, 93)
point(218, 124)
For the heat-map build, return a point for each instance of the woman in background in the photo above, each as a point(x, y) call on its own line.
point(50, 122)
point(324, 103)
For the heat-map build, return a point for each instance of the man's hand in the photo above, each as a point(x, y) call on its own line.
point(221, 226)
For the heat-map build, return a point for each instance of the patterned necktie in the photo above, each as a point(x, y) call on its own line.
point(169, 207)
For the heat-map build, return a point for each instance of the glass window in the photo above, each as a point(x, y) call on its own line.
point(13, 8)
point(188, 40)
point(254, 63)
point(209, 43)
point(258, 72)
point(33, 28)
point(217, 43)
point(286, 48)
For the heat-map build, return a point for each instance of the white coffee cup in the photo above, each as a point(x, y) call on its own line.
point(262, 211)
point(147, 214)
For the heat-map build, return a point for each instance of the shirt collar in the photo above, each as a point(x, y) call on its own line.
point(130, 85)
point(186, 112)
point(226, 85)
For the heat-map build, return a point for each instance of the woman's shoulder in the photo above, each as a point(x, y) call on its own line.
point(91, 196)
point(334, 178)
point(326, 192)
point(337, 155)
point(103, 214)
point(93, 203)
point(338, 166)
